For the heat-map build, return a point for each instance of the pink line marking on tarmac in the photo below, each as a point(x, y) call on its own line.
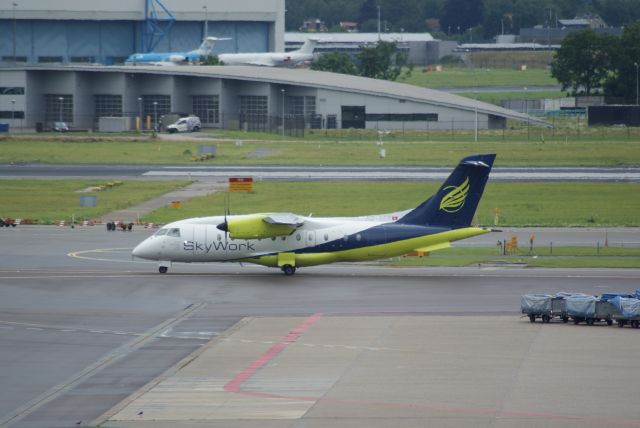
point(236, 383)
point(235, 386)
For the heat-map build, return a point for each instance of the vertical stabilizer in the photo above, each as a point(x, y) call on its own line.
point(308, 46)
point(455, 203)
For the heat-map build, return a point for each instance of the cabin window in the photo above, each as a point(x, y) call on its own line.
point(358, 237)
point(346, 238)
point(161, 232)
point(326, 236)
point(174, 233)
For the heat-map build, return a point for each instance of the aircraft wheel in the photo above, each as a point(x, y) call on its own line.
point(163, 269)
point(288, 270)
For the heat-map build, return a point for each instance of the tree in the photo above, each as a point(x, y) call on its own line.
point(211, 60)
point(336, 62)
point(384, 61)
point(460, 15)
point(622, 78)
point(584, 61)
point(368, 11)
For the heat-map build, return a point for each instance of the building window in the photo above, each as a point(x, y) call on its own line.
point(16, 59)
point(402, 117)
point(108, 106)
point(207, 108)
point(83, 59)
point(163, 106)
point(11, 90)
point(8, 114)
point(47, 59)
point(301, 107)
point(58, 108)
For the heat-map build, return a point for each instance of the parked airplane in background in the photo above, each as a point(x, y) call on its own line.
point(175, 58)
point(272, 59)
point(289, 241)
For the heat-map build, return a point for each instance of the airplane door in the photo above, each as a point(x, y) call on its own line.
point(310, 238)
point(200, 243)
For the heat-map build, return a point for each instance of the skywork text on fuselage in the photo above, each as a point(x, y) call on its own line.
point(216, 246)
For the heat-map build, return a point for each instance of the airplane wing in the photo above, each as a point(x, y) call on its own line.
point(288, 219)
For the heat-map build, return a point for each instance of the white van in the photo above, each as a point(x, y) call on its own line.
point(185, 124)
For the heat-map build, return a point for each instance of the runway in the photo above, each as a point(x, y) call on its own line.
point(311, 172)
point(90, 336)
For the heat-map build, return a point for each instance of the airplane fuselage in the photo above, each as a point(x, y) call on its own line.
point(318, 241)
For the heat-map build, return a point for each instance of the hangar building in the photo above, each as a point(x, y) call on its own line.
point(234, 97)
point(107, 32)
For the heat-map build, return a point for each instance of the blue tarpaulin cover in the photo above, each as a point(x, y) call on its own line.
point(630, 308)
point(605, 297)
point(536, 303)
point(581, 306)
point(564, 294)
point(638, 293)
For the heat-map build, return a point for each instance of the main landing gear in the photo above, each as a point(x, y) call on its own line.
point(163, 269)
point(288, 270)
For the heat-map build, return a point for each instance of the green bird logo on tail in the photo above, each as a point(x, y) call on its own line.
point(454, 200)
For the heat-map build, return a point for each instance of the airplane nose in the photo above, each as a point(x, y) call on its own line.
point(143, 250)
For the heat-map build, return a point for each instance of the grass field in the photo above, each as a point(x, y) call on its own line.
point(497, 97)
point(463, 77)
point(591, 151)
point(566, 257)
point(50, 201)
point(521, 204)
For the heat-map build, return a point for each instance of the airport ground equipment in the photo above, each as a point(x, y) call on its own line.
point(629, 310)
point(537, 306)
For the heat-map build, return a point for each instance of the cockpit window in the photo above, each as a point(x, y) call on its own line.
point(174, 232)
point(161, 232)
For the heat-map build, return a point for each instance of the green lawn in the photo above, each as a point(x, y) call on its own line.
point(462, 77)
point(521, 204)
point(497, 97)
point(50, 201)
point(565, 257)
point(321, 148)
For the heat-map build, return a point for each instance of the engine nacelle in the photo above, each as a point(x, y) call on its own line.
point(254, 227)
point(177, 58)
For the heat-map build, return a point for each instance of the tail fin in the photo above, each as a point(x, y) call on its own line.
point(308, 46)
point(207, 45)
point(455, 203)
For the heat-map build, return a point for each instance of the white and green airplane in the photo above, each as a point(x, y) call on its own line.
point(289, 241)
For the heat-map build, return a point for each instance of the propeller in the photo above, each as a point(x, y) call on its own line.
point(224, 226)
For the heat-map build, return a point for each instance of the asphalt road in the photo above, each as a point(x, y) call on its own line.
point(83, 326)
point(301, 173)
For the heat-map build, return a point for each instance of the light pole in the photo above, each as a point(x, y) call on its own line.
point(526, 110)
point(140, 112)
point(13, 111)
point(14, 30)
point(475, 108)
point(378, 22)
point(283, 92)
point(60, 109)
point(155, 116)
point(206, 21)
point(637, 75)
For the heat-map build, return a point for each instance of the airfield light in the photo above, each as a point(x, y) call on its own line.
point(283, 92)
point(140, 111)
